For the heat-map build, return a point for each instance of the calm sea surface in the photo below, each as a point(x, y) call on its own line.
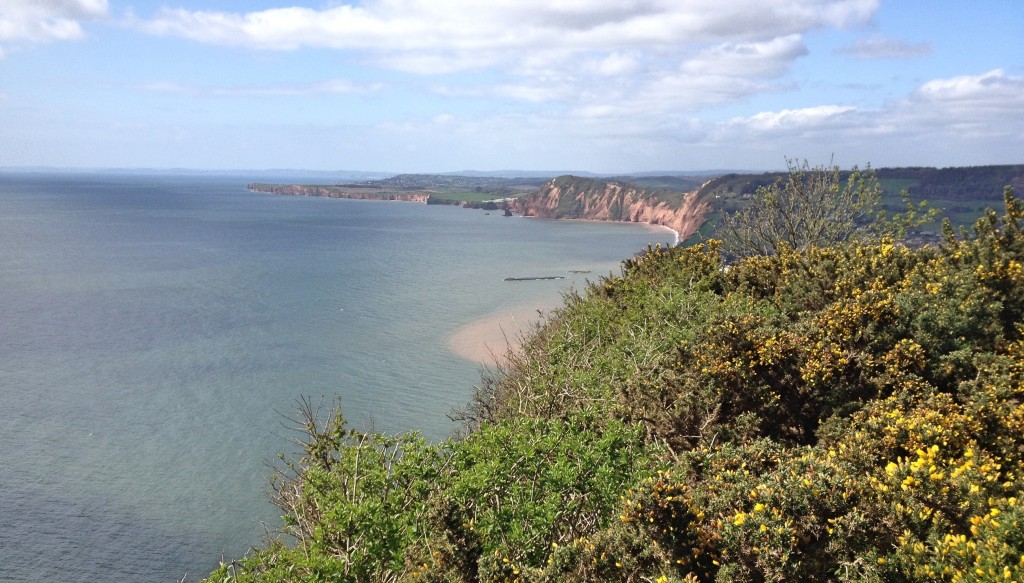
point(153, 329)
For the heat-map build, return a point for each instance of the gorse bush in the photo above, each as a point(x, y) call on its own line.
point(851, 412)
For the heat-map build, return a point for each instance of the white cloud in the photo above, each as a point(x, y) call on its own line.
point(991, 88)
point(418, 34)
point(971, 119)
point(628, 61)
point(763, 59)
point(788, 120)
point(722, 73)
point(339, 86)
point(989, 104)
point(601, 58)
point(884, 48)
point(534, 91)
point(609, 135)
point(616, 63)
point(38, 21)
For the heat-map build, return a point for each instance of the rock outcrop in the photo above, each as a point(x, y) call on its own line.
point(572, 197)
point(353, 192)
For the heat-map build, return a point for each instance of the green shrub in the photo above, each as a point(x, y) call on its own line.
point(851, 413)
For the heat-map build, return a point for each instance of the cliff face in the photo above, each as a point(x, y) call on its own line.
point(354, 192)
point(569, 197)
point(565, 197)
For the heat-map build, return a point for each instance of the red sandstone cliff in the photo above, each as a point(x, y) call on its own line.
point(571, 197)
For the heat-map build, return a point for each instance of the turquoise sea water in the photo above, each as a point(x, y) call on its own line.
point(154, 329)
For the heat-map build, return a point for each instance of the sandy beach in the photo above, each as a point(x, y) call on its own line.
point(489, 338)
point(662, 228)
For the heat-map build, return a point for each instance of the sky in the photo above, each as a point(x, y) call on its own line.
point(606, 86)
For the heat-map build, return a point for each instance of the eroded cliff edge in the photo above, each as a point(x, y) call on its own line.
point(573, 197)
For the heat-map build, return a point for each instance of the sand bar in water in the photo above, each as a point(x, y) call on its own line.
point(490, 337)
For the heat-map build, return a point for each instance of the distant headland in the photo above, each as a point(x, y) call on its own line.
point(688, 203)
point(349, 191)
point(669, 201)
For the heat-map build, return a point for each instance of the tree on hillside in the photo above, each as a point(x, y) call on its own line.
point(809, 207)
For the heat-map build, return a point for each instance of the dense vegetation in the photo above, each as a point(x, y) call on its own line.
point(962, 194)
point(815, 207)
point(848, 412)
point(970, 183)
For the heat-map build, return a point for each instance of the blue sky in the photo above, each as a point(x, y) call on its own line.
point(445, 85)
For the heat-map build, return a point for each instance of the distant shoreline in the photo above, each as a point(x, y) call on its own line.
point(346, 192)
point(354, 192)
point(675, 233)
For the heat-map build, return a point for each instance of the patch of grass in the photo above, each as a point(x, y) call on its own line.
point(892, 187)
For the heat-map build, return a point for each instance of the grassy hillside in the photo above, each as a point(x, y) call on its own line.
point(851, 413)
point(962, 194)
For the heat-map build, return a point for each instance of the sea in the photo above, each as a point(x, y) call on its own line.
point(158, 331)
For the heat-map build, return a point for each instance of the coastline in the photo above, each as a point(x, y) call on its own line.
point(423, 196)
point(649, 226)
point(675, 233)
point(488, 339)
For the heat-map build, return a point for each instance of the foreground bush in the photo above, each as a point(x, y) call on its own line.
point(852, 413)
